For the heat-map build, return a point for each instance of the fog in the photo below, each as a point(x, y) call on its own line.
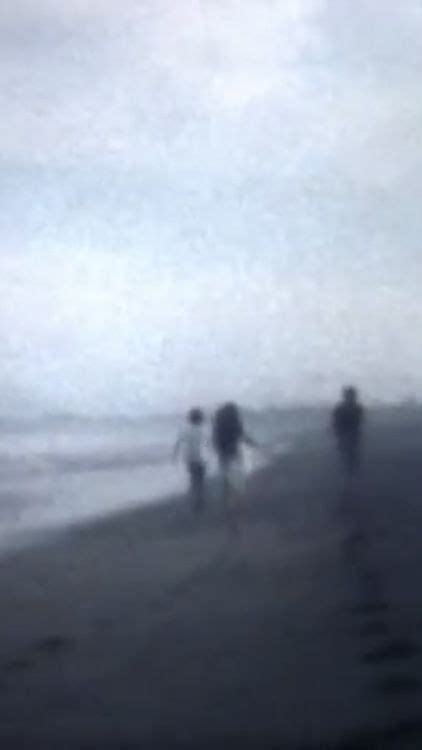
point(208, 200)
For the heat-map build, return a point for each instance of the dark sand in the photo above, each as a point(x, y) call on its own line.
point(157, 630)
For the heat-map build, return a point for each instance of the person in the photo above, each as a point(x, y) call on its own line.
point(347, 423)
point(192, 443)
point(228, 437)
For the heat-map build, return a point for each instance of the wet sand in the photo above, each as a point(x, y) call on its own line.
point(154, 629)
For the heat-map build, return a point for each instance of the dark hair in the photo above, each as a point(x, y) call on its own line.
point(350, 392)
point(196, 416)
point(228, 430)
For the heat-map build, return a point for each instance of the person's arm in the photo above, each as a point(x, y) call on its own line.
point(248, 440)
point(177, 447)
point(334, 422)
point(266, 450)
point(208, 442)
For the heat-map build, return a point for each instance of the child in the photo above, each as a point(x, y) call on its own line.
point(192, 444)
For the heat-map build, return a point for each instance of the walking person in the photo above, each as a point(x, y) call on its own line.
point(229, 436)
point(347, 423)
point(192, 445)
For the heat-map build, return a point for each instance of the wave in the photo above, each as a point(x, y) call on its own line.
point(55, 475)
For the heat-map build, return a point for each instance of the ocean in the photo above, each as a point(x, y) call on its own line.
point(59, 471)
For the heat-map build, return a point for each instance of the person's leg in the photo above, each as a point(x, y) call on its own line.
point(234, 512)
point(344, 454)
point(224, 484)
point(192, 484)
point(226, 488)
point(197, 474)
point(199, 488)
point(353, 455)
point(235, 493)
point(357, 454)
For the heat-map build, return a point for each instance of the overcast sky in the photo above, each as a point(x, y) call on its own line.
point(203, 199)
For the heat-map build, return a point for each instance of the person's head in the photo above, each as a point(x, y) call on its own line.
point(228, 428)
point(231, 412)
point(196, 416)
point(350, 394)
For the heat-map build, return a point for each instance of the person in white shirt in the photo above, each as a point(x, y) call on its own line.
point(191, 444)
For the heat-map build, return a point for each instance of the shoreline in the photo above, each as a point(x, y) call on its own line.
point(96, 468)
point(152, 628)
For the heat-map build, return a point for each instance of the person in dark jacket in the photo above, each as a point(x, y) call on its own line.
point(229, 437)
point(347, 423)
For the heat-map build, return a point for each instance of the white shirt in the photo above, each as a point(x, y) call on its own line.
point(192, 443)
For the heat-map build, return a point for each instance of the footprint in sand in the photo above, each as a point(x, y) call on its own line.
point(53, 644)
point(370, 608)
point(396, 650)
point(397, 684)
point(373, 628)
point(17, 665)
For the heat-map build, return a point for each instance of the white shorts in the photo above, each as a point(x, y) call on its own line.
point(233, 474)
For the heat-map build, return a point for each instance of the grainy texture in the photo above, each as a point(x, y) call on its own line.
point(155, 629)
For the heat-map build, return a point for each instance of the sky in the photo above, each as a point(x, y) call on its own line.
point(209, 199)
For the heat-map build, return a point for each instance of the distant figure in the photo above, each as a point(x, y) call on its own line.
point(191, 444)
point(348, 419)
point(228, 437)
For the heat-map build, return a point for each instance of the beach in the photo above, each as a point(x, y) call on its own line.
point(152, 628)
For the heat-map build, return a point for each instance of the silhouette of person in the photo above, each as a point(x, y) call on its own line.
point(192, 444)
point(347, 422)
point(228, 436)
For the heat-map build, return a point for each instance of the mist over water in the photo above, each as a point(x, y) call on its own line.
point(55, 472)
